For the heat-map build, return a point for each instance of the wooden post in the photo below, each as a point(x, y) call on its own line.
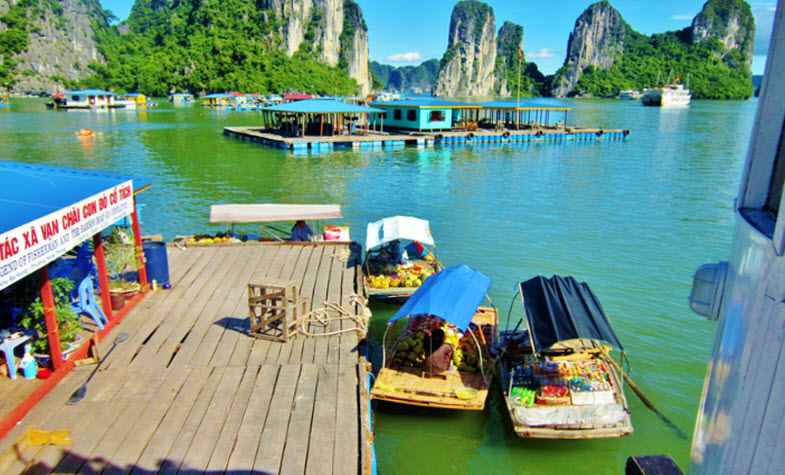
point(139, 251)
point(103, 278)
point(321, 125)
point(50, 319)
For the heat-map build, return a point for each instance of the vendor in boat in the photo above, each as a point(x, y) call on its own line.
point(301, 231)
point(440, 358)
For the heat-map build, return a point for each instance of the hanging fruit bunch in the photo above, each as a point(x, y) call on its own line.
point(414, 347)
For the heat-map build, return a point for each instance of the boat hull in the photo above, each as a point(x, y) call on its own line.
point(455, 390)
point(568, 432)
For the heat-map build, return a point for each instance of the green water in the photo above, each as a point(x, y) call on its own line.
point(632, 218)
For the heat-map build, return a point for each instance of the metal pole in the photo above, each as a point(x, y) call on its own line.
point(139, 251)
point(103, 278)
point(50, 319)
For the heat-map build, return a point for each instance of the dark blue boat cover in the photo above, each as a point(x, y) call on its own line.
point(452, 294)
point(561, 308)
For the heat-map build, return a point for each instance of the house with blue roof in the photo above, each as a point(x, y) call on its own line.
point(423, 114)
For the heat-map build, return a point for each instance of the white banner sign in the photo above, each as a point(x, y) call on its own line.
point(30, 247)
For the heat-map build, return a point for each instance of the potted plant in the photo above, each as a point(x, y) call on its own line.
point(120, 258)
point(67, 320)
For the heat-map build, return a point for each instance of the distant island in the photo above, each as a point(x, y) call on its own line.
point(321, 46)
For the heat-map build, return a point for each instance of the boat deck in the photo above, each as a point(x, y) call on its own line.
point(255, 134)
point(425, 138)
point(191, 391)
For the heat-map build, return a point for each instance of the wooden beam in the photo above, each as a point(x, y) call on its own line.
point(50, 319)
point(103, 277)
point(139, 251)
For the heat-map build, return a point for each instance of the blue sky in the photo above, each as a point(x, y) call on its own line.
point(410, 31)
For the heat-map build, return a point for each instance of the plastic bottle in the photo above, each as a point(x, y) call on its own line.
point(29, 365)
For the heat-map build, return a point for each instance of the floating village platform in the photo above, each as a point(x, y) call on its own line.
point(190, 391)
point(423, 139)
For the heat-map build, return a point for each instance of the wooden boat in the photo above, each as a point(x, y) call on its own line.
point(406, 378)
point(557, 377)
point(385, 276)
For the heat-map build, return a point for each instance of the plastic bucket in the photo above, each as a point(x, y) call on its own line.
point(157, 264)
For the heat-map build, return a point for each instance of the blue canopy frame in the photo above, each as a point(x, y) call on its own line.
point(452, 295)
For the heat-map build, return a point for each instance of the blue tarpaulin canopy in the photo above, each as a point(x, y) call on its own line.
point(321, 106)
point(544, 104)
point(452, 294)
point(29, 192)
point(427, 103)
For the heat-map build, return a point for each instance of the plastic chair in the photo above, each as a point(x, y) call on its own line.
point(7, 347)
point(87, 303)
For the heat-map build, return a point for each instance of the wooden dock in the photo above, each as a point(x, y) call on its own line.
point(190, 391)
point(424, 139)
point(326, 143)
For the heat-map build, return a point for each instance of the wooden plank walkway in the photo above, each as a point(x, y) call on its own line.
point(191, 392)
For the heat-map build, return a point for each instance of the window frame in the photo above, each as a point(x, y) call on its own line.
point(397, 114)
point(765, 143)
point(411, 115)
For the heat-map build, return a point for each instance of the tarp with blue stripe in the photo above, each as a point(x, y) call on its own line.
point(452, 295)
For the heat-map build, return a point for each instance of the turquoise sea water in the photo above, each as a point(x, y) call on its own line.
point(632, 218)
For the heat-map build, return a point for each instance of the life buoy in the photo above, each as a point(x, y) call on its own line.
point(85, 133)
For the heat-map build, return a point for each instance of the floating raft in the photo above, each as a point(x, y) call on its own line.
point(421, 139)
point(190, 391)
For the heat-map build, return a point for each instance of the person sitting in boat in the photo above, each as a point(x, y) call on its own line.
point(301, 232)
point(440, 358)
point(415, 250)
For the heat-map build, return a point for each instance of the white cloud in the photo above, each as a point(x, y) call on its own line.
point(544, 53)
point(682, 17)
point(407, 57)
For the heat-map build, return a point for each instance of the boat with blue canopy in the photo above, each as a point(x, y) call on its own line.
point(440, 341)
point(557, 376)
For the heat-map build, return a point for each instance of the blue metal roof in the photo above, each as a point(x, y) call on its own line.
point(452, 295)
point(216, 95)
point(29, 192)
point(90, 92)
point(528, 104)
point(430, 102)
point(321, 106)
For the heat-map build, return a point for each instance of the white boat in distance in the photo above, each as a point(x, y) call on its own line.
point(672, 95)
point(630, 95)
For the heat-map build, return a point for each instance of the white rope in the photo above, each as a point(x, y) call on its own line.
point(322, 316)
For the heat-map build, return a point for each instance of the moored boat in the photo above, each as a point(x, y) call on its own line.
point(557, 376)
point(672, 95)
point(629, 95)
point(397, 257)
point(441, 358)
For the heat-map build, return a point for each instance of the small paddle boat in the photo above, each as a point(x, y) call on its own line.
point(557, 377)
point(440, 354)
point(398, 258)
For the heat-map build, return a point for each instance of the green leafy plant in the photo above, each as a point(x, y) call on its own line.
point(119, 254)
point(67, 320)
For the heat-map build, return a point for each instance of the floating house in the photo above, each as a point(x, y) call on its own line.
point(85, 99)
point(217, 100)
point(181, 98)
point(425, 114)
point(297, 96)
point(131, 101)
point(319, 117)
point(515, 115)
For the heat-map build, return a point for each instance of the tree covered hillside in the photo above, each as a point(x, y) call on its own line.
point(209, 45)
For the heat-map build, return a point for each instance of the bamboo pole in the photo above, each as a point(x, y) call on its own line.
point(645, 400)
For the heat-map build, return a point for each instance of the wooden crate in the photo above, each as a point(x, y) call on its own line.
point(275, 310)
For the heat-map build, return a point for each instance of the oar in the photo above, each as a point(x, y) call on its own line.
point(81, 392)
point(646, 401)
